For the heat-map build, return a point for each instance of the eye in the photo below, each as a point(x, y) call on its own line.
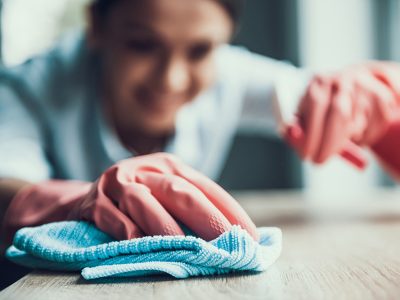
point(144, 46)
point(199, 51)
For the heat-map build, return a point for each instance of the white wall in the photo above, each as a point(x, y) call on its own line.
point(31, 26)
point(394, 29)
point(335, 33)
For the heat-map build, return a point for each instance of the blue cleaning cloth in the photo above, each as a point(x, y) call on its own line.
point(79, 245)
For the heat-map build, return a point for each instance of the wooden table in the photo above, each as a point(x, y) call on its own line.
point(333, 249)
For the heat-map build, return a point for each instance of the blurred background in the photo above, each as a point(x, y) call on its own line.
point(315, 34)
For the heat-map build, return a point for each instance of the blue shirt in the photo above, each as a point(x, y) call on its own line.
point(52, 125)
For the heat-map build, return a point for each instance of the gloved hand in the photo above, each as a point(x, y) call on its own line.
point(356, 105)
point(146, 195)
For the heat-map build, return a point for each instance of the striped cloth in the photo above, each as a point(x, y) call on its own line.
point(80, 246)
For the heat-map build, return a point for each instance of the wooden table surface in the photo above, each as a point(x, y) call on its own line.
point(335, 247)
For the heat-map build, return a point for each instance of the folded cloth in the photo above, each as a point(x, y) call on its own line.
point(79, 245)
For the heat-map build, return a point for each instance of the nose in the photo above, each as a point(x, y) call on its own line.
point(173, 76)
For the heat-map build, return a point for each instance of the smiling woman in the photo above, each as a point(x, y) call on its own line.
point(145, 77)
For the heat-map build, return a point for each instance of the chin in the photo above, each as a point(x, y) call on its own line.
point(159, 128)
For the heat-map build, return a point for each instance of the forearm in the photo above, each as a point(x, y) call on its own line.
point(387, 149)
point(41, 203)
point(8, 189)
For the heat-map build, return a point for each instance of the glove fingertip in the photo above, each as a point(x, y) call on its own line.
point(251, 229)
point(172, 229)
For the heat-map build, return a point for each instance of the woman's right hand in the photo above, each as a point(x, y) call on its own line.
point(145, 195)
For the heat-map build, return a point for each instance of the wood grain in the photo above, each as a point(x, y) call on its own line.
point(330, 252)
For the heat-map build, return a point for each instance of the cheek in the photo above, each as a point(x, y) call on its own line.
point(129, 73)
point(203, 77)
point(124, 74)
point(123, 70)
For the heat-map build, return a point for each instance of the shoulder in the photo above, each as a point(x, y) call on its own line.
point(41, 77)
point(239, 57)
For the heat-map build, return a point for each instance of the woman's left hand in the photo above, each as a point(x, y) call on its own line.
point(355, 105)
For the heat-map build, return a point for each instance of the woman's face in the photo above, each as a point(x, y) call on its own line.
point(157, 55)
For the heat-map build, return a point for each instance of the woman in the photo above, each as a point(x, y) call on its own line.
point(157, 75)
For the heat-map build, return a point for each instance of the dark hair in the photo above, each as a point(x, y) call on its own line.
point(233, 7)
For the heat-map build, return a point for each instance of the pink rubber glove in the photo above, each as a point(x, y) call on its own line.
point(387, 149)
point(357, 105)
point(146, 195)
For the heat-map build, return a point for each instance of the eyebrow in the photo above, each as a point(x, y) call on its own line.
point(133, 25)
point(138, 26)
